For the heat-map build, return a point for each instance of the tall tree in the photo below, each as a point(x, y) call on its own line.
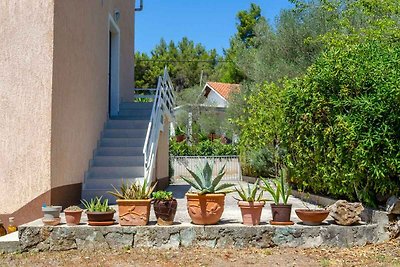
point(186, 62)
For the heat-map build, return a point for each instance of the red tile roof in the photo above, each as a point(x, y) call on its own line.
point(224, 89)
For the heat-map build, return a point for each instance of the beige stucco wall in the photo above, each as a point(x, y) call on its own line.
point(26, 55)
point(80, 80)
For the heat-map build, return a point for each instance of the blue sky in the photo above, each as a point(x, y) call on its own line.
point(210, 22)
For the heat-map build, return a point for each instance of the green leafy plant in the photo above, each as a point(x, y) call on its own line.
point(279, 190)
point(73, 208)
point(96, 205)
point(250, 192)
point(205, 183)
point(136, 190)
point(163, 195)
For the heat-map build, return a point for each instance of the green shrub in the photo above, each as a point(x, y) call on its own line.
point(342, 122)
point(203, 148)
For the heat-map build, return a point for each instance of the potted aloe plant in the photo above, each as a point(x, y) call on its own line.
point(311, 216)
point(280, 190)
point(250, 203)
point(99, 213)
point(164, 207)
point(134, 203)
point(73, 215)
point(206, 203)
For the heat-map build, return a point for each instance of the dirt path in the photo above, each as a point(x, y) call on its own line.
point(387, 254)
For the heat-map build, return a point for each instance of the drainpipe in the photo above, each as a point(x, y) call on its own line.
point(140, 8)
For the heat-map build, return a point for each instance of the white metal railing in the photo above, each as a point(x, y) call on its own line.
point(163, 105)
point(233, 171)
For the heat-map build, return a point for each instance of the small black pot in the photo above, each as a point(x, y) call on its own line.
point(281, 212)
point(165, 211)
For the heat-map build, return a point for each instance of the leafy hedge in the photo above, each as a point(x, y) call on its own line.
point(203, 148)
point(342, 122)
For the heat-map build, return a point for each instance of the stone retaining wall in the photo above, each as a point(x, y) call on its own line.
point(47, 238)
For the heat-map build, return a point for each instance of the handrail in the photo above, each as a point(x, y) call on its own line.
point(164, 102)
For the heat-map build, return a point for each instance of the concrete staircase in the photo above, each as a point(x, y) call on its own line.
point(119, 154)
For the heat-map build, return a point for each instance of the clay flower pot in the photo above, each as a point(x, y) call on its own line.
point(312, 217)
point(165, 211)
point(281, 214)
point(133, 212)
point(94, 216)
point(73, 217)
point(205, 209)
point(251, 211)
point(180, 138)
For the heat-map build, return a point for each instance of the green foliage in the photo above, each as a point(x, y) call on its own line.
point(280, 188)
point(342, 122)
point(163, 195)
point(205, 183)
point(250, 192)
point(258, 162)
point(96, 205)
point(185, 62)
point(203, 148)
point(136, 190)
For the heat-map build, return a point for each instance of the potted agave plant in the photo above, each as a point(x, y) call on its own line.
point(206, 204)
point(99, 213)
point(164, 207)
point(134, 203)
point(250, 203)
point(73, 215)
point(281, 211)
point(311, 216)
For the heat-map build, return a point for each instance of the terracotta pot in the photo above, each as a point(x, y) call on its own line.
point(312, 217)
point(213, 136)
point(133, 212)
point(73, 217)
point(180, 138)
point(100, 216)
point(281, 212)
point(251, 211)
point(205, 209)
point(165, 211)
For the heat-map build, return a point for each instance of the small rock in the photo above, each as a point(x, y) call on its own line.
point(393, 205)
point(346, 213)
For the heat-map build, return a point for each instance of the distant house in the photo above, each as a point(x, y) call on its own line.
point(217, 94)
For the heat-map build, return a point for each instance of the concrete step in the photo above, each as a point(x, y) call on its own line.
point(115, 172)
point(139, 113)
point(114, 161)
point(119, 151)
point(107, 183)
point(10, 243)
point(124, 123)
point(124, 133)
point(136, 105)
point(122, 142)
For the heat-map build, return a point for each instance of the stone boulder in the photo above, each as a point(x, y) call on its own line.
point(346, 213)
point(393, 205)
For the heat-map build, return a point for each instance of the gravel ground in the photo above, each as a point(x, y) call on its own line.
point(386, 254)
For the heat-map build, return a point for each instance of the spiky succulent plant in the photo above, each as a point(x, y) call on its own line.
point(204, 183)
point(133, 191)
point(249, 193)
